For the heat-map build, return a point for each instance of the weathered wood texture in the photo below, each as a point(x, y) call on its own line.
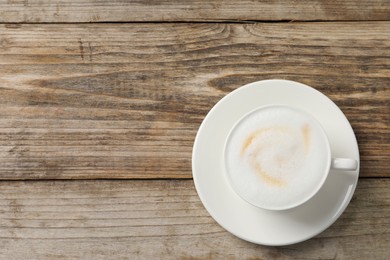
point(25, 11)
point(125, 100)
point(165, 219)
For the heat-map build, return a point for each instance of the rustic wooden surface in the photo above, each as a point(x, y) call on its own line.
point(165, 219)
point(43, 11)
point(114, 101)
point(81, 99)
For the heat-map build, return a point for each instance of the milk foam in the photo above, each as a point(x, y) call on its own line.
point(274, 157)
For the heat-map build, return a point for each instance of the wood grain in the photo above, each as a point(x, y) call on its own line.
point(87, 101)
point(165, 219)
point(44, 11)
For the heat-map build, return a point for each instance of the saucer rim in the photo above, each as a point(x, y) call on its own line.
point(347, 197)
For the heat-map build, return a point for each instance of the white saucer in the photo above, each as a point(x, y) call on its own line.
point(240, 218)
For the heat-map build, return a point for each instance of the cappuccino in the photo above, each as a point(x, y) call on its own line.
point(274, 157)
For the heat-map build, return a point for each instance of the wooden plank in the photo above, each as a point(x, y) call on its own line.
point(24, 11)
point(125, 101)
point(165, 219)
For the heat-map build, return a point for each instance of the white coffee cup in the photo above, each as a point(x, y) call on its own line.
point(277, 157)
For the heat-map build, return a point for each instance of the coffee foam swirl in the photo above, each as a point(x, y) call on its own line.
point(256, 142)
point(273, 156)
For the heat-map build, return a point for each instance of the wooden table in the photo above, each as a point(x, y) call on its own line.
point(100, 102)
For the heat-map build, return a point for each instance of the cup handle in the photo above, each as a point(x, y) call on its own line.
point(344, 164)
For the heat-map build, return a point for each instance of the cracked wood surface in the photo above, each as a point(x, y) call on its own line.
point(126, 100)
point(60, 11)
point(132, 219)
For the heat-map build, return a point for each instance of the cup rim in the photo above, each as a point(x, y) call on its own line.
point(326, 170)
